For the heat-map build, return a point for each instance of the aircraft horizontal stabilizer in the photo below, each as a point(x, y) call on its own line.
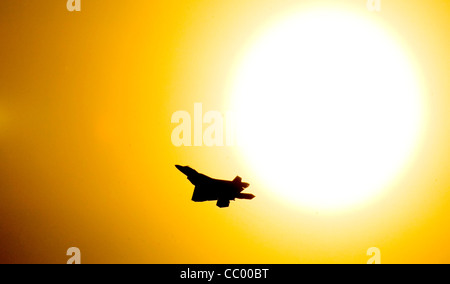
point(246, 196)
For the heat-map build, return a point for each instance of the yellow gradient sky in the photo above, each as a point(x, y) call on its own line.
point(87, 161)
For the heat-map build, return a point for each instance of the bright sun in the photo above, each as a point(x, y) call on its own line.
point(328, 109)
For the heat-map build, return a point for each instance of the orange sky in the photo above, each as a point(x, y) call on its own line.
point(86, 100)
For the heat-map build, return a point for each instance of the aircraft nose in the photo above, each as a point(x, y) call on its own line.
point(186, 170)
point(182, 169)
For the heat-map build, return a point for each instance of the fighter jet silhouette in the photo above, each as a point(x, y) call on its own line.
point(209, 189)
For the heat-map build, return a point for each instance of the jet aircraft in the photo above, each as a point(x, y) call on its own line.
point(209, 189)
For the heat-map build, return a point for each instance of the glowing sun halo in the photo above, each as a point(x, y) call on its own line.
point(328, 109)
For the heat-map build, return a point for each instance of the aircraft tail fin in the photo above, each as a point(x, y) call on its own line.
point(238, 181)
